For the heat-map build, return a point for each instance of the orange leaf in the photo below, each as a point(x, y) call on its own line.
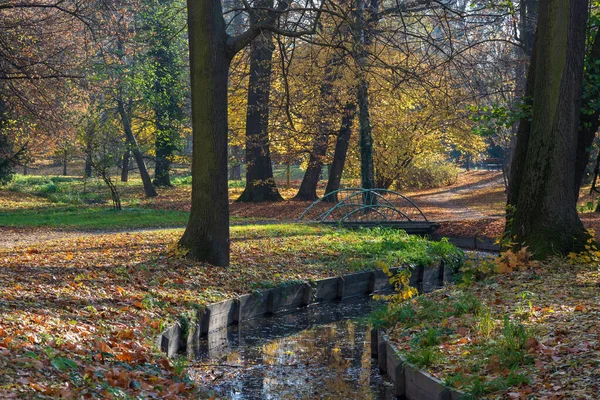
point(125, 357)
point(103, 347)
point(126, 334)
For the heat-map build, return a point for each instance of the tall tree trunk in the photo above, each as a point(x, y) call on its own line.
point(260, 183)
point(87, 171)
point(520, 151)
point(125, 166)
point(235, 164)
point(308, 187)
point(207, 233)
point(542, 180)
point(527, 24)
point(361, 41)
point(235, 172)
point(64, 163)
point(367, 169)
point(137, 154)
point(164, 150)
point(235, 21)
point(341, 149)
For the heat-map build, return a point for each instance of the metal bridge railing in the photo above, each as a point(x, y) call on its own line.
point(368, 206)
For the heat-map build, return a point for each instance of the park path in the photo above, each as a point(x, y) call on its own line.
point(477, 195)
point(21, 237)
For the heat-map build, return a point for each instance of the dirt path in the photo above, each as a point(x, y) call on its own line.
point(21, 237)
point(477, 195)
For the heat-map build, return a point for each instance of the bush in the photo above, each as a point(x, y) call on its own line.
point(427, 175)
point(182, 180)
point(47, 189)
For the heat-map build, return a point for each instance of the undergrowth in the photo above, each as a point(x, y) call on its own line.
point(433, 331)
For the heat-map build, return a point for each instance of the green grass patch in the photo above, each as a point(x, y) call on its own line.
point(70, 190)
point(394, 248)
point(93, 218)
point(355, 250)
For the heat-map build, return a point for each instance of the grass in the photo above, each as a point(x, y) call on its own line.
point(93, 218)
point(75, 203)
point(64, 190)
point(76, 190)
point(352, 250)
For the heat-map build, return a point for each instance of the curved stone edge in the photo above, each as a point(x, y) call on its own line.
point(181, 335)
point(482, 243)
point(407, 381)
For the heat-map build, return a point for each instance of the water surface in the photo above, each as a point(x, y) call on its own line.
point(319, 352)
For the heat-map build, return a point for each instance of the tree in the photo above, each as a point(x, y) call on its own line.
point(40, 51)
point(590, 110)
point(235, 26)
point(211, 51)
point(7, 156)
point(103, 144)
point(260, 183)
point(326, 104)
point(542, 203)
point(117, 70)
point(341, 150)
point(362, 39)
point(166, 91)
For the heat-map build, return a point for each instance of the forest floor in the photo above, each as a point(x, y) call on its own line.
point(78, 314)
point(83, 289)
point(528, 333)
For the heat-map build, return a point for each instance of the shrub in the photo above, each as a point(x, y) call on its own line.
point(182, 180)
point(427, 175)
point(48, 188)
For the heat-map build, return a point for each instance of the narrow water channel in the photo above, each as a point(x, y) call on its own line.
point(318, 352)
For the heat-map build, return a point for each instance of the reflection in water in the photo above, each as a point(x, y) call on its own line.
point(319, 352)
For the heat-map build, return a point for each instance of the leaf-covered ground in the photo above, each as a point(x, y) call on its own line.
point(523, 335)
point(78, 314)
point(79, 308)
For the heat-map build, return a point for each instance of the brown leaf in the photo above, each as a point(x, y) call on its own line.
point(462, 331)
point(532, 344)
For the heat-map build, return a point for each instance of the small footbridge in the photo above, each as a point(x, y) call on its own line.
point(353, 208)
